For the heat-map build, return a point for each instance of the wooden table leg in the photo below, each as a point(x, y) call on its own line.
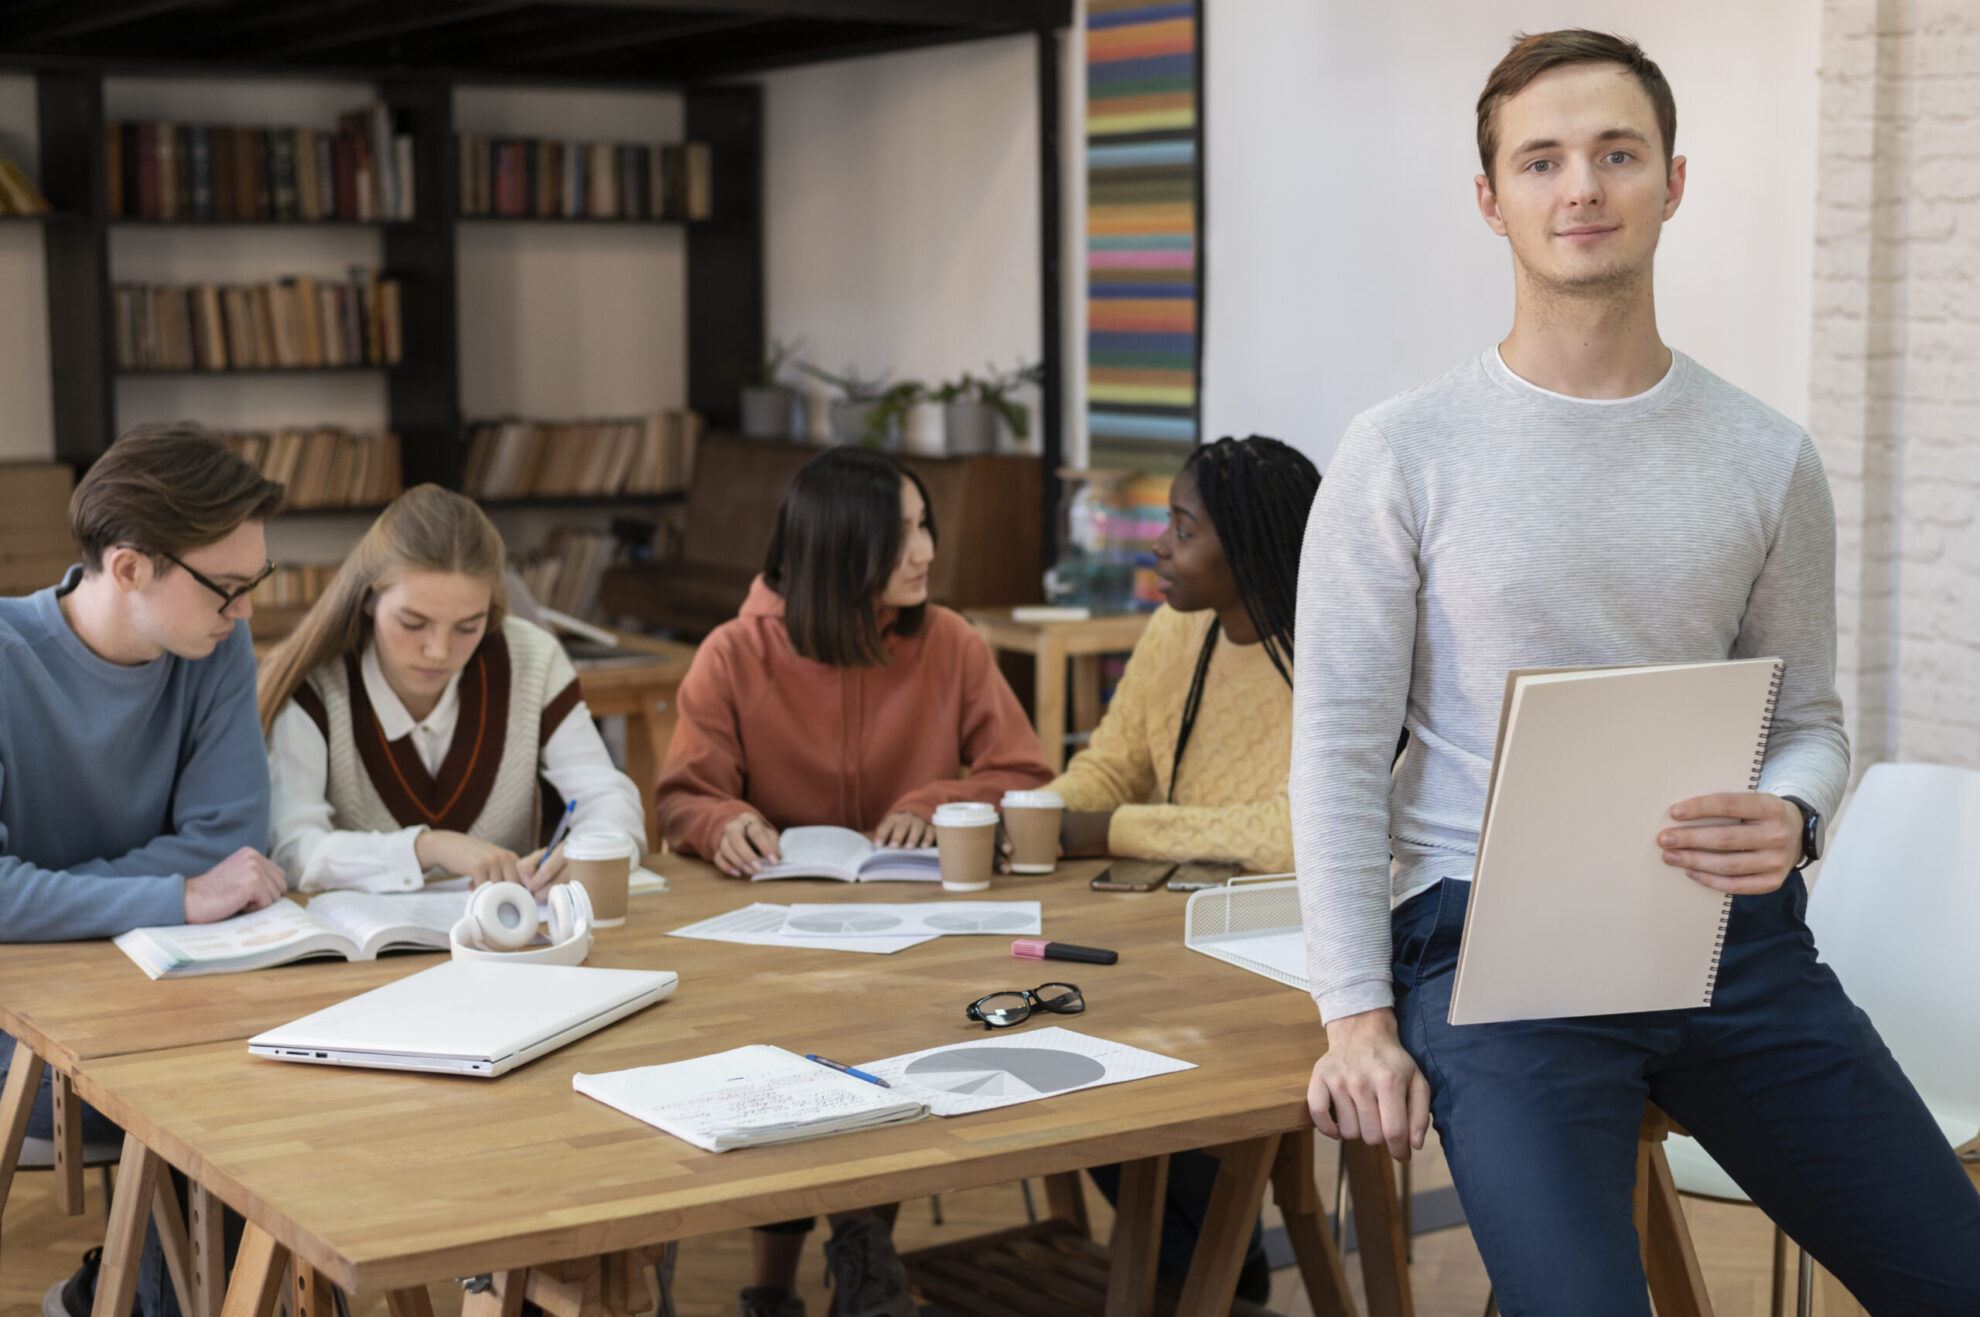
point(138, 1170)
point(68, 1147)
point(1049, 697)
point(643, 764)
point(16, 1105)
point(1314, 1247)
point(1137, 1242)
point(1677, 1286)
point(1213, 1269)
point(314, 1295)
point(502, 1299)
point(258, 1272)
point(409, 1303)
point(1085, 692)
point(172, 1238)
point(207, 1245)
point(1378, 1230)
point(1065, 1200)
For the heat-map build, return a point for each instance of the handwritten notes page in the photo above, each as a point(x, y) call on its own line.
point(747, 1097)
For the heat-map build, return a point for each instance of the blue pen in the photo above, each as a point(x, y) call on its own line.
point(563, 826)
point(847, 1070)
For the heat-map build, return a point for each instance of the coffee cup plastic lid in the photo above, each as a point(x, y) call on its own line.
point(965, 814)
point(1034, 800)
point(598, 844)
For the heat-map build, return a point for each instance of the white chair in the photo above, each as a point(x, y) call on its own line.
point(1894, 910)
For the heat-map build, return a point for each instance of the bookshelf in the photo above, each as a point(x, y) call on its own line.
point(423, 402)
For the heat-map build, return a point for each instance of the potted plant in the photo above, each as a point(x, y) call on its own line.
point(910, 411)
point(975, 407)
point(770, 408)
point(852, 412)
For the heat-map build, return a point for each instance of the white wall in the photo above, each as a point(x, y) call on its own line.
point(1346, 259)
point(26, 411)
point(901, 209)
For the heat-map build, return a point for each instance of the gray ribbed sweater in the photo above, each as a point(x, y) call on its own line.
point(1479, 524)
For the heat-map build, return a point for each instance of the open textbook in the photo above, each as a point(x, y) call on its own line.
point(353, 925)
point(847, 856)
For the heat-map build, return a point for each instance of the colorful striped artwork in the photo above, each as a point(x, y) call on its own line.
point(1143, 222)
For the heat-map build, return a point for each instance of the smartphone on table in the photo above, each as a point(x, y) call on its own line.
point(1195, 875)
point(1133, 876)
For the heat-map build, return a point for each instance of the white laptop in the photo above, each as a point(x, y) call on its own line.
point(466, 1017)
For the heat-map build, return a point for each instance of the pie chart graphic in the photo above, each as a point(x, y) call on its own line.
point(846, 923)
point(995, 921)
point(1004, 1071)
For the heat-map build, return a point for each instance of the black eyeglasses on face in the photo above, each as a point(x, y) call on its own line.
point(1001, 1010)
point(227, 597)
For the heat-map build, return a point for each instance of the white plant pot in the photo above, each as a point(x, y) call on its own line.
point(771, 414)
point(818, 417)
point(925, 433)
point(972, 427)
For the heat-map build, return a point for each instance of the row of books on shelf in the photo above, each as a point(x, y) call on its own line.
point(158, 170)
point(512, 457)
point(532, 178)
point(294, 585)
point(295, 323)
point(326, 467)
point(565, 573)
point(18, 194)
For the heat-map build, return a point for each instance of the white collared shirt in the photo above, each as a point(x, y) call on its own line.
point(318, 857)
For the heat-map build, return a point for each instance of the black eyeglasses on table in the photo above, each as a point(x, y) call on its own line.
point(227, 597)
point(1001, 1010)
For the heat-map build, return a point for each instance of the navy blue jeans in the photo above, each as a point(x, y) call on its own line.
point(1782, 1079)
point(154, 1287)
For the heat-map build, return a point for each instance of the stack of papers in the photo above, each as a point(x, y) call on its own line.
point(748, 1097)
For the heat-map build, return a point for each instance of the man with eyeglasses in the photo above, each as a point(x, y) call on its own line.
point(133, 782)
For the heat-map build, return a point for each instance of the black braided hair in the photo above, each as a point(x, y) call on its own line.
point(1256, 492)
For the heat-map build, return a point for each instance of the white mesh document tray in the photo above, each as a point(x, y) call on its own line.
point(1252, 923)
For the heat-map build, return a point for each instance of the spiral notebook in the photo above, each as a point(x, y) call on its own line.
point(1573, 910)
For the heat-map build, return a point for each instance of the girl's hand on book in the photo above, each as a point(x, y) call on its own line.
point(477, 860)
point(747, 844)
point(245, 880)
point(1753, 853)
point(905, 830)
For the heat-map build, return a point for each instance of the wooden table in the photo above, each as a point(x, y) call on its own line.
point(642, 691)
point(1051, 644)
point(380, 1181)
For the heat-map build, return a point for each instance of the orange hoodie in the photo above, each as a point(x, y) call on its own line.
point(800, 742)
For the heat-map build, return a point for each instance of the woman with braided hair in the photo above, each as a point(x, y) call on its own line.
point(1190, 761)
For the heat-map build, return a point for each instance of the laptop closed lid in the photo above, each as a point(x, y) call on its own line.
point(470, 1011)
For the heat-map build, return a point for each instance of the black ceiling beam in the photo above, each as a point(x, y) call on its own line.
point(996, 15)
point(822, 51)
point(85, 19)
point(635, 36)
point(404, 24)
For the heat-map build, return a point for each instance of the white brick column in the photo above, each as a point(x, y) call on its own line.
point(1895, 376)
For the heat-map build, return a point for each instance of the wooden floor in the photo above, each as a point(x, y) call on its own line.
point(39, 1245)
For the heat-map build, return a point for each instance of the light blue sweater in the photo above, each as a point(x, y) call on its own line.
point(117, 783)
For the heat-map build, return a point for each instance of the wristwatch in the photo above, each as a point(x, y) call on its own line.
point(1811, 830)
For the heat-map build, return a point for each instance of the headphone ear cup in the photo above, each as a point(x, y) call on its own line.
point(563, 914)
point(504, 916)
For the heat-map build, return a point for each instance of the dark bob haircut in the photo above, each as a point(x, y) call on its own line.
point(837, 541)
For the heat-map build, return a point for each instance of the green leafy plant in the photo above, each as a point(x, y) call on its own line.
point(892, 409)
point(768, 373)
point(994, 389)
point(855, 386)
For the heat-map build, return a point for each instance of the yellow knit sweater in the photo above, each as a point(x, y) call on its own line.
point(1230, 796)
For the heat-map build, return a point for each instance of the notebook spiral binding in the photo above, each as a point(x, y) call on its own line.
point(1752, 784)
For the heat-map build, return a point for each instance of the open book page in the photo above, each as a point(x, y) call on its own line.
point(376, 922)
point(817, 853)
point(747, 1097)
point(1573, 911)
point(895, 864)
point(275, 935)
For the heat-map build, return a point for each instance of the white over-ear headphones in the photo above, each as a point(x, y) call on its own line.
point(501, 923)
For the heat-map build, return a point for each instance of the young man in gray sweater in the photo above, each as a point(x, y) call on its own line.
point(133, 783)
point(1580, 494)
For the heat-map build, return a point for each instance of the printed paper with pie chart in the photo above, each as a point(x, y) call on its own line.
point(1003, 1070)
point(913, 919)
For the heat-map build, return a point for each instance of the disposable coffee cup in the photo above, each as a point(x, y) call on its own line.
point(966, 838)
point(1031, 820)
point(601, 861)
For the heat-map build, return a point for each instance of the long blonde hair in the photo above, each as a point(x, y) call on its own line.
point(427, 529)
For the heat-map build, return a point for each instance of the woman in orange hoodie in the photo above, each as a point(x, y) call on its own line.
point(840, 695)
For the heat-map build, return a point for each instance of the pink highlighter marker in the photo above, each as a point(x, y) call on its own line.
point(1037, 948)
